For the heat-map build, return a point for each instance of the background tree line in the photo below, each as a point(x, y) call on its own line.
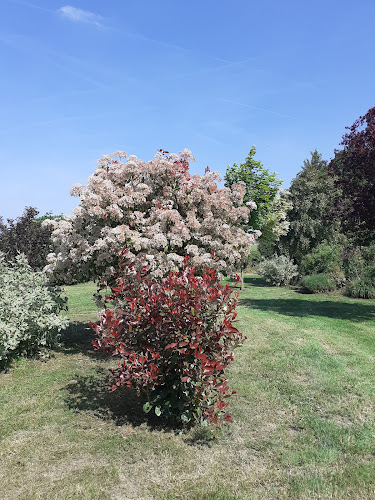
point(331, 234)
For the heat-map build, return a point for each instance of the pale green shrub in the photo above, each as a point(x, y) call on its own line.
point(30, 310)
point(278, 271)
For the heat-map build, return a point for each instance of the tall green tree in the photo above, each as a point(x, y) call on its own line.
point(262, 187)
point(277, 224)
point(312, 194)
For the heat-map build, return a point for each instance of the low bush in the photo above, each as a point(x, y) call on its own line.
point(353, 263)
point(357, 260)
point(337, 276)
point(323, 259)
point(30, 316)
point(360, 289)
point(278, 271)
point(369, 254)
point(318, 283)
point(364, 287)
point(174, 339)
point(369, 274)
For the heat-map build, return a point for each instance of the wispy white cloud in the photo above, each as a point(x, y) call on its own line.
point(31, 47)
point(68, 118)
point(254, 107)
point(223, 66)
point(206, 138)
point(80, 16)
point(21, 3)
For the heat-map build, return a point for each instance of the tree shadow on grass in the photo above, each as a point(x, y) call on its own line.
point(256, 281)
point(304, 308)
point(77, 338)
point(123, 406)
point(92, 392)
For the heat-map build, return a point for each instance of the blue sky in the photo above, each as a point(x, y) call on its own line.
point(83, 79)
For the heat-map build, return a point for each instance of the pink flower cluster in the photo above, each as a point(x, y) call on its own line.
point(155, 209)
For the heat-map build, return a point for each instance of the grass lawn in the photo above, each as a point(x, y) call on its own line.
point(303, 417)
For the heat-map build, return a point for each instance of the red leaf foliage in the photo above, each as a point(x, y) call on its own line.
point(176, 330)
point(353, 168)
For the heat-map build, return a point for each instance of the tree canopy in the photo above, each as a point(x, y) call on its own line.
point(262, 187)
point(156, 210)
point(26, 235)
point(311, 194)
point(277, 223)
point(354, 170)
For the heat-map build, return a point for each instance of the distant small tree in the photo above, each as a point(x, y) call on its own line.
point(26, 235)
point(48, 216)
point(262, 187)
point(353, 170)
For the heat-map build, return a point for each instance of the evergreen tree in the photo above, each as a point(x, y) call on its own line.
point(311, 216)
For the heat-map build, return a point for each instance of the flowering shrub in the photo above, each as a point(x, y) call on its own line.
point(278, 271)
point(173, 338)
point(156, 209)
point(29, 310)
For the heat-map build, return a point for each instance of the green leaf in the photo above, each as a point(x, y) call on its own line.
point(186, 416)
point(157, 411)
point(147, 407)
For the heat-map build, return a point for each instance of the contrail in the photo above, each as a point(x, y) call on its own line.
point(254, 107)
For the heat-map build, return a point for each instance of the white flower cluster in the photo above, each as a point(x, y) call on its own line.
point(156, 209)
point(252, 205)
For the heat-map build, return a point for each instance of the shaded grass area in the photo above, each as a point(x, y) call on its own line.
point(322, 308)
point(304, 413)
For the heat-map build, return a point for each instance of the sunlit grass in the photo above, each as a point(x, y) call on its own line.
point(303, 417)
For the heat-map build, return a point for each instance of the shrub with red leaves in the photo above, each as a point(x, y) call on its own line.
point(174, 338)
